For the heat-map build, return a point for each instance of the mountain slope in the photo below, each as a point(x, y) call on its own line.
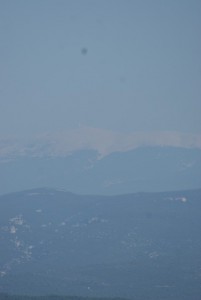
point(143, 246)
point(143, 169)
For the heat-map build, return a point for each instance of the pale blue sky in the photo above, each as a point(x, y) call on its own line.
point(141, 72)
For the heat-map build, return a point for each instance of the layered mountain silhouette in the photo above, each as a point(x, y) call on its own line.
point(142, 169)
point(95, 161)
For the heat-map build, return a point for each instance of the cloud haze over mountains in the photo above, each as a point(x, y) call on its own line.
point(88, 138)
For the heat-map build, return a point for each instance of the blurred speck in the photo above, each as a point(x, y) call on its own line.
point(84, 51)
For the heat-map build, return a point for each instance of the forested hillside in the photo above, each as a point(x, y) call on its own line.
point(143, 245)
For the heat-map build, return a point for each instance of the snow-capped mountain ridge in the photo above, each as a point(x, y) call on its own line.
point(103, 141)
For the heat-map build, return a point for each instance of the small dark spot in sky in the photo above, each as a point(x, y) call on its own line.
point(84, 51)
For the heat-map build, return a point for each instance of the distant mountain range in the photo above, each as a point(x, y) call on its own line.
point(80, 162)
point(104, 142)
point(137, 246)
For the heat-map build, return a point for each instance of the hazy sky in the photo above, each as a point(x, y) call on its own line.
point(129, 65)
